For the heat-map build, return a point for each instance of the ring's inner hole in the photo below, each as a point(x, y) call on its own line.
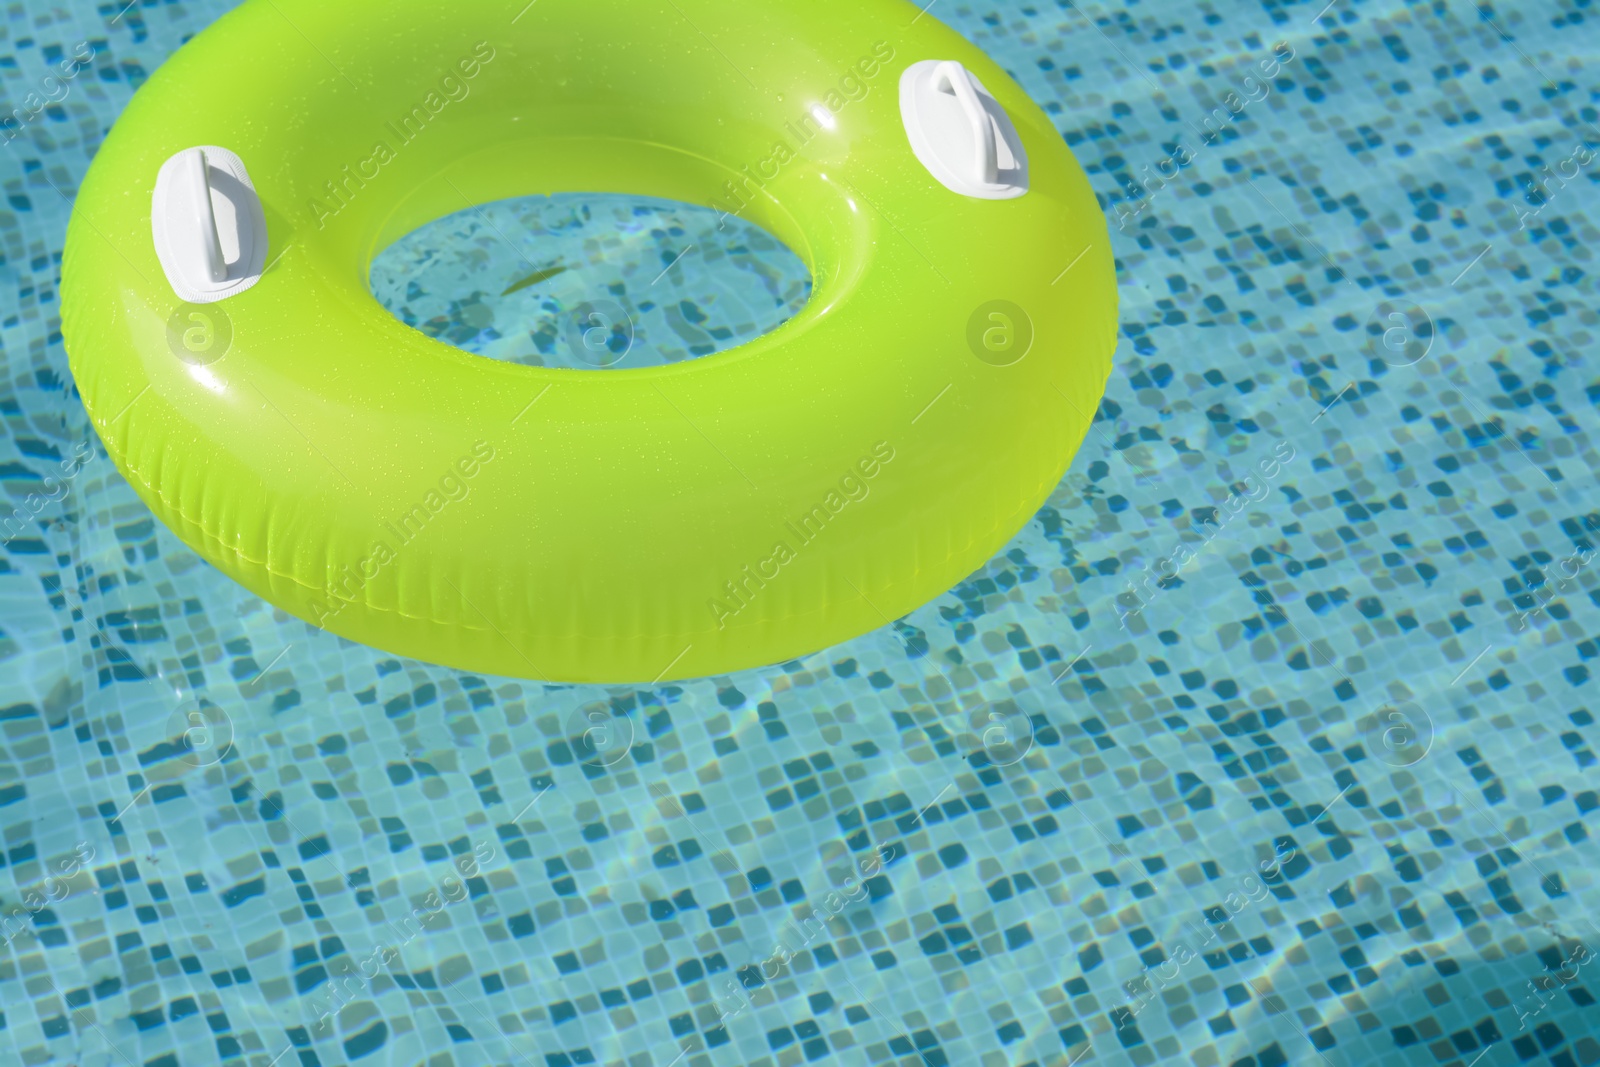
point(591, 281)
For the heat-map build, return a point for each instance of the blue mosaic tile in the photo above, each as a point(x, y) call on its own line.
point(1266, 742)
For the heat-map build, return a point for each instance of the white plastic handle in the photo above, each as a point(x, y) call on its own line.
point(208, 225)
point(195, 172)
point(952, 74)
point(960, 133)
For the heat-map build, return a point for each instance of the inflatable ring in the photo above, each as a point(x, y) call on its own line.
point(625, 525)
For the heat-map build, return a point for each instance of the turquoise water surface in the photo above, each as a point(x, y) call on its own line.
point(1269, 740)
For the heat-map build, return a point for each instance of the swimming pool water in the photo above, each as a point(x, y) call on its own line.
point(591, 282)
point(1268, 741)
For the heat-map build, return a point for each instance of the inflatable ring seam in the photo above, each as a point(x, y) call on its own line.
point(267, 569)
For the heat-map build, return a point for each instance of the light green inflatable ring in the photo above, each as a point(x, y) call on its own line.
point(626, 525)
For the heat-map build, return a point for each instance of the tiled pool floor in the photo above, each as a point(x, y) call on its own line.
point(1270, 739)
